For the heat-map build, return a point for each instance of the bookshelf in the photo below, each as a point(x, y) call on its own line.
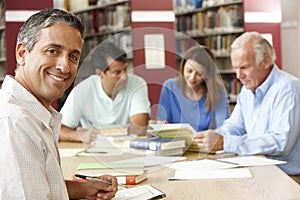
point(107, 20)
point(112, 19)
point(103, 20)
point(214, 24)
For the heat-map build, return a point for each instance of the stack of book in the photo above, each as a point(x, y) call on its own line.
point(176, 131)
point(127, 173)
point(159, 146)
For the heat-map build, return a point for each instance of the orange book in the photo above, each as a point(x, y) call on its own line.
point(131, 180)
point(124, 180)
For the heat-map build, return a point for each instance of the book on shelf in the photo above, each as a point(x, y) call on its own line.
point(114, 169)
point(124, 180)
point(157, 143)
point(177, 130)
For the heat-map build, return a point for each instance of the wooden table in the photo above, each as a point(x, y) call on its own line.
point(268, 182)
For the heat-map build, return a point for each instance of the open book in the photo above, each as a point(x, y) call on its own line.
point(180, 130)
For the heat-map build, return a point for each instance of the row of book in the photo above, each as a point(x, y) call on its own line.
point(225, 19)
point(189, 5)
point(186, 5)
point(2, 13)
point(210, 3)
point(106, 20)
point(122, 40)
point(2, 44)
point(167, 137)
point(233, 86)
point(219, 44)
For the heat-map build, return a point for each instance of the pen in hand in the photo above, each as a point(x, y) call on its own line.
point(95, 179)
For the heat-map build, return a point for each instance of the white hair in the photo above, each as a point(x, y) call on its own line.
point(261, 46)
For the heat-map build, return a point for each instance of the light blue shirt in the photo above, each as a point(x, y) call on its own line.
point(267, 121)
point(89, 105)
point(174, 107)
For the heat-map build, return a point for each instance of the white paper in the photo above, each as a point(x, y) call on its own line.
point(139, 192)
point(201, 164)
point(154, 160)
point(210, 174)
point(248, 161)
point(70, 152)
point(214, 164)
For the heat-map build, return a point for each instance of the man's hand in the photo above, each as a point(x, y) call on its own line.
point(99, 191)
point(92, 190)
point(209, 140)
point(87, 135)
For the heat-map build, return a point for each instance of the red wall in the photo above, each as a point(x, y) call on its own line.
point(267, 6)
point(12, 28)
point(154, 77)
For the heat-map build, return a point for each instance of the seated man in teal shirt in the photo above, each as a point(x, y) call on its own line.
point(112, 97)
point(266, 117)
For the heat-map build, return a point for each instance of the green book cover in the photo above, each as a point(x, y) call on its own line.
point(103, 165)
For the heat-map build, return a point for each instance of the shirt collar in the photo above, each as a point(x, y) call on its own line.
point(49, 117)
point(103, 95)
point(264, 87)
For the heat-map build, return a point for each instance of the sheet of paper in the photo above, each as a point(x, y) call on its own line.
point(70, 152)
point(139, 192)
point(210, 174)
point(211, 164)
point(247, 161)
point(154, 160)
point(100, 147)
point(204, 164)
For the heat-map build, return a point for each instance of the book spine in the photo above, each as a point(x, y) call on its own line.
point(139, 144)
point(154, 146)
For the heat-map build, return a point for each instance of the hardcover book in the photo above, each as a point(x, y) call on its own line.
point(124, 180)
point(178, 131)
point(114, 169)
point(167, 152)
point(132, 180)
point(157, 143)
